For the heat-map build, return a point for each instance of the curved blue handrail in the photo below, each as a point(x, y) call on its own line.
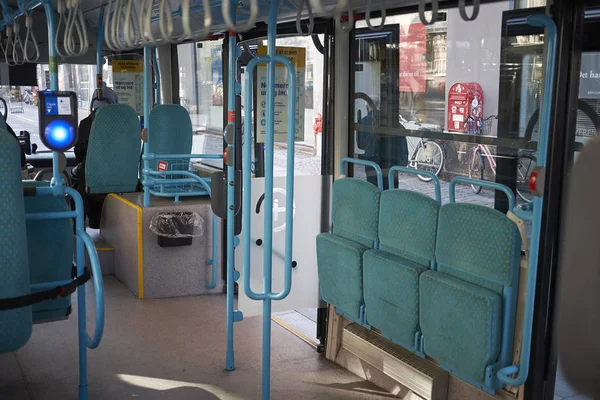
point(93, 343)
point(522, 369)
point(486, 184)
point(366, 163)
point(432, 176)
point(268, 242)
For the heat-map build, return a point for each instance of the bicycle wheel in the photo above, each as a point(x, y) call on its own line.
point(525, 165)
point(430, 158)
point(476, 168)
point(3, 108)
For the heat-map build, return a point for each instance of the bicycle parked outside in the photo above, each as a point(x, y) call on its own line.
point(424, 154)
point(526, 160)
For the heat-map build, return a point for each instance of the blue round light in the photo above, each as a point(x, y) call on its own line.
point(59, 135)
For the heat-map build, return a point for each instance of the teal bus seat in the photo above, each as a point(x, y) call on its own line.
point(50, 249)
point(355, 218)
point(113, 153)
point(468, 305)
point(407, 237)
point(16, 324)
point(170, 132)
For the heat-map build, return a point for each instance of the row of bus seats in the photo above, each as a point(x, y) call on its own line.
point(113, 157)
point(438, 280)
point(112, 160)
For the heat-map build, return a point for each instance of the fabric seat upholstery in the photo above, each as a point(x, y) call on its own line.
point(16, 324)
point(113, 153)
point(464, 302)
point(407, 234)
point(355, 215)
point(50, 249)
point(170, 132)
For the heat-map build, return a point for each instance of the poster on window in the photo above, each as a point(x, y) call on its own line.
point(413, 65)
point(297, 56)
point(128, 77)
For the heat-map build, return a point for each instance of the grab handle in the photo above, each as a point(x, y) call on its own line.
point(93, 343)
point(366, 163)
point(490, 185)
point(246, 213)
point(225, 9)
point(412, 171)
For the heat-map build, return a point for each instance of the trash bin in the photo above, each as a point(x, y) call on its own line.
point(175, 229)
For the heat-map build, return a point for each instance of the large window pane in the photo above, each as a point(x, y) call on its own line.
point(425, 96)
point(201, 93)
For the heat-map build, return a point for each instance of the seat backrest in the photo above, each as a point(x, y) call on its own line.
point(355, 210)
point(408, 225)
point(113, 153)
point(479, 245)
point(16, 324)
point(170, 131)
point(50, 249)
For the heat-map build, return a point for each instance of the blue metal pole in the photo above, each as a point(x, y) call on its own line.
point(549, 64)
point(157, 76)
point(232, 65)
point(8, 16)
point(56, 182)
point(268, 242)
point(99, 58)
point(147, 85)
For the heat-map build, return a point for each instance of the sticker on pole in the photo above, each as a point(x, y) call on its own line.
point(162, 166)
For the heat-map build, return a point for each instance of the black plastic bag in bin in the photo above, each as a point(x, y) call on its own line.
point(176, 228)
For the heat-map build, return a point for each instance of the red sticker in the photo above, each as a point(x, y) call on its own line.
point(231, 116)
point(162, 165)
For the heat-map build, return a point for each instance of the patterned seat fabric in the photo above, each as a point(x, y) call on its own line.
point(355, 214)
point(113, 153)
point(341, 272)
point(461, 317)
point(407, 234)
point(170, 133)
point(50, 249)
point(15, 325)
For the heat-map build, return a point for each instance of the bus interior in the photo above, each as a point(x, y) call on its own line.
point(156, 241)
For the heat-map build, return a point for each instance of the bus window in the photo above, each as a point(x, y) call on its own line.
point(201, 93)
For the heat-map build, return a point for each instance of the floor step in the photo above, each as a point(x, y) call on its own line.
point(105, 253)
point(419, 375)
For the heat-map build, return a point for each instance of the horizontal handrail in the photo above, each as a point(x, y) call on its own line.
point(192, 177)
point(366, 163)
point(432, 176)
point(152, 156)
point(486, 184)
point(8, 15)
point(93, 343)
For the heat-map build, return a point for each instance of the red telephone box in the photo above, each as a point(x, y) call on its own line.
point(464, 100)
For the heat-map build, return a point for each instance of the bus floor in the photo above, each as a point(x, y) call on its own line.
point(170, 349)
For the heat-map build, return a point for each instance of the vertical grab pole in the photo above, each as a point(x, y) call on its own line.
point(268, 230)
point(58, 189)
point(232, 74)
point(522, 369)
point(99, 58)
point(57, 181)
point(147, 83)
point(157, 76)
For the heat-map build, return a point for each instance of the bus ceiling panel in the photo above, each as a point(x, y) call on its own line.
point(166, 19)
